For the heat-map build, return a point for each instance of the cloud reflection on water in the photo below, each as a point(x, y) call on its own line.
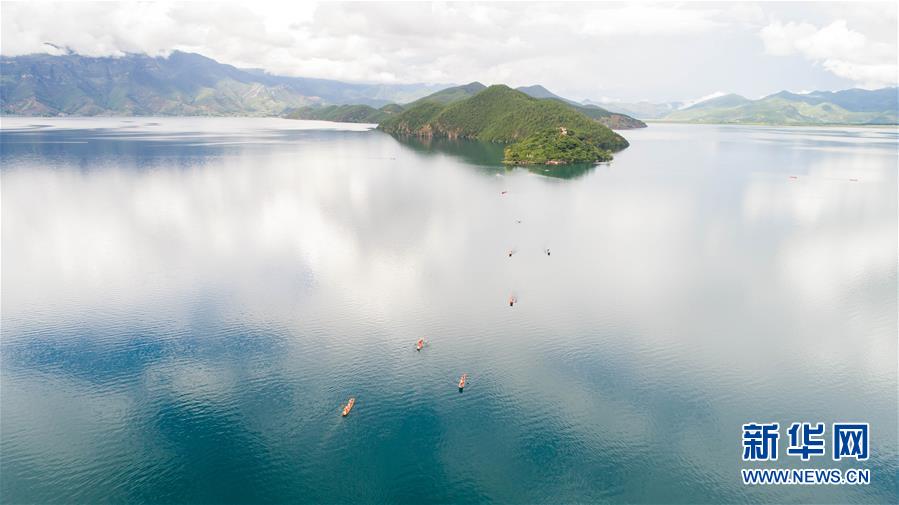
point(259, 282)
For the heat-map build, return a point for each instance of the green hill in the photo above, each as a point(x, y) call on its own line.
point(853, 106)
point(501, 114)
point(346, 113)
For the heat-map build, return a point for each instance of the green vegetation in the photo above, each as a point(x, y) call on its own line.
point(555, 147)
point(346, 113)
point(415, 120)
point(501, 114)
point(392, 108)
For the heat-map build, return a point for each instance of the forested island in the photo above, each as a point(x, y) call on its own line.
point(537, 131)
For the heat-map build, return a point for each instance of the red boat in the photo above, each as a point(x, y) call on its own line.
point(419, 344)
point(462, 381)
point(348, 407)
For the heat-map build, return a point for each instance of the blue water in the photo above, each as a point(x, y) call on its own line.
point(187, 304)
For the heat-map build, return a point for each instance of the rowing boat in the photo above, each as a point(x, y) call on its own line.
point(348, 407)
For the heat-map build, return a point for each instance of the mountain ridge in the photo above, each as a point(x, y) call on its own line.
point(613, 120)
point(178, 84)
point(192, 84)
point(853, 106)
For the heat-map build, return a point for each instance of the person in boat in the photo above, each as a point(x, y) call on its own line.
point(512, 300)
point(420, 344)
point(547, 251)
point(511, 252)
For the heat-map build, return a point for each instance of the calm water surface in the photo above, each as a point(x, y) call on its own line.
point(187, 303)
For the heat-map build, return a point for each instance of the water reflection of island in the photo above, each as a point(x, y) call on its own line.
point(486, 155)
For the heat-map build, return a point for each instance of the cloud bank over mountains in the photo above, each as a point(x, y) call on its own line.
point(634, 51)
point(842, 51)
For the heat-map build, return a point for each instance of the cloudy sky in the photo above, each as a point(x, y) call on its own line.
point(632, 51)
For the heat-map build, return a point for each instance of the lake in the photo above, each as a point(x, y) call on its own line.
point(187, 304)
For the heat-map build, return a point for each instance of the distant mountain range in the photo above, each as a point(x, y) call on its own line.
point(180, 84)
point(192, 84)
point(851, 106)
point(616, 120)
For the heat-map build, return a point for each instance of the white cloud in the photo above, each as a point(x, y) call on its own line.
point(662, 51)
point(647, 19)
point(837, 48)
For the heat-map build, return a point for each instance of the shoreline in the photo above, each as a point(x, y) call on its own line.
point(647, 121)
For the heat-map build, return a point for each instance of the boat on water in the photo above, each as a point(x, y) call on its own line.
point(462, 381)
point(348, 407)
point(419, 344)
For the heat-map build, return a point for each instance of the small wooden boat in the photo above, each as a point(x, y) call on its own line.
point(348, 407)
point(462, 381)
point(419, 344)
